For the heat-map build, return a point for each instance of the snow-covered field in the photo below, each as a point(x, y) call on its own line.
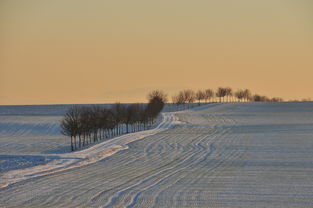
point(219, 155)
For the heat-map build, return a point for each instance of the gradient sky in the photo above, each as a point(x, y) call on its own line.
point(96, 51)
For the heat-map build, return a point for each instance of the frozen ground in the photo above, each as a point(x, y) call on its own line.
point(29, 133)
point(222, 155)
point(33, 129)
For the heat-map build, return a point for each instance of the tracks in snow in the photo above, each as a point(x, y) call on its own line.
point(61, 162)
point(221, 157)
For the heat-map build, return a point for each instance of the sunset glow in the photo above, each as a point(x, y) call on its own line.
point(76, 51)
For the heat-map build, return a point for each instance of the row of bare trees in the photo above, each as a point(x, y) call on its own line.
point(222, 94)
point(88, 124)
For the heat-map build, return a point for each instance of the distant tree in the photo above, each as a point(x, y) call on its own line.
point(111, 122)
point(131, 111)
point(259, 98)
point(175, 100)
point(70, 125)
point(293, 100)
point(239, 94)
point(221, 93)
point(276, 99)
point(143, 117)
point(157, 94)
point(265, 99)
point(306, 100)
point(209, 94)
point(228, 93)
point(178, 99)
point(155, 105)
point(93, 123)
point(87, 125)
point(181, 97)
point(200, 95)
point(189, 96)
point(103, 122)
point(136, 118)
point(247, 94)
point(107, 121)
point(119, 112)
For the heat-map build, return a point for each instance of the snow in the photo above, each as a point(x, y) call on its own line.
point(23, 167)
point(219, 155)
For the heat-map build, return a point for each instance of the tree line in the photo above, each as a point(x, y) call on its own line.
point(88, 124)
point(221, 94)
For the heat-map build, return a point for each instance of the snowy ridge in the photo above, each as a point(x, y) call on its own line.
point(61, 162)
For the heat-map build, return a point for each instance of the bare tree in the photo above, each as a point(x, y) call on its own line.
point(119, 112)
point(93, 123)
point(221, 93)
point(70, 125)
point(178, 99)
point(143, 117)
point(259, 98)
point(130, 113)
point(277, 99)
point(228, 93)
point(175, 99)
point(182, 97)
point(208, 95)
point(189, 96)
point(155, 105)
point(239, 94)
point(136, 117)
point(200, 95)
point(157, 94)
point(86, 125)
point(247, 94)
point(107, 122)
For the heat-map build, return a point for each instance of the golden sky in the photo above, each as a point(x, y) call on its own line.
point(96, 51)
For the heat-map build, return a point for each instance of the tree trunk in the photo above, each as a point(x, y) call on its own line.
point(75, 144)
point(72, 147)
